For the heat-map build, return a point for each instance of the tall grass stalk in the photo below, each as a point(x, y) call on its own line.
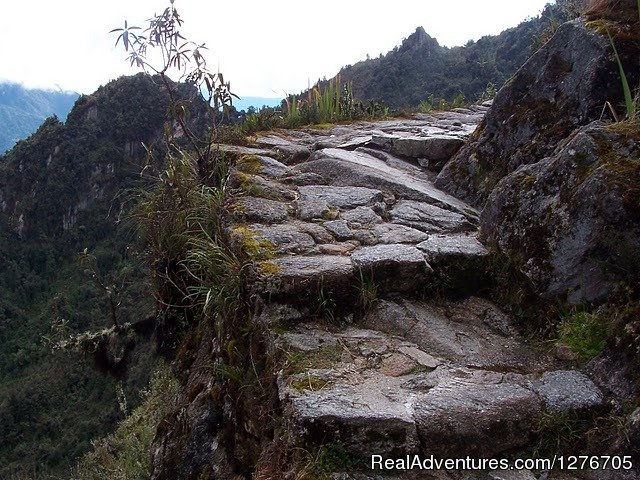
point(629, 101)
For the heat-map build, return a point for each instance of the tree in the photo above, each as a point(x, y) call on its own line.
point(186, 58)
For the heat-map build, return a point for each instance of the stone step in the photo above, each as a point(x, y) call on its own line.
point(459, 260)
point(392, 267)
point(345, 168)
point(376, 393)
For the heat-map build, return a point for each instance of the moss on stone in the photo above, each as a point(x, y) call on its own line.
point(308, 382)
point(252, 244)
point(249, 164)
point(268, 268)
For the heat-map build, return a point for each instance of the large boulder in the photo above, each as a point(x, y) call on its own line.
point(561, 87)
point(571, 222)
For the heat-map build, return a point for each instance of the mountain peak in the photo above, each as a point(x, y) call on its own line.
point(418, 38)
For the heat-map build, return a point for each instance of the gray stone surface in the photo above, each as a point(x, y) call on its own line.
point(285, 237)
point(390, 233)
point(305, 273)
point(435, 148)
point(339, 229)
point(394, 267)
point(460, 335)
point(561, 87)
point(442, 247)
point(428, 218)
point(457, 417)
point(263, 165)
point(260, 210)
point(512, 475)
point(360, 217)
point(568, 390)
point(452, 377)
point(341, 197)
point(568, 219)
point(343, 167)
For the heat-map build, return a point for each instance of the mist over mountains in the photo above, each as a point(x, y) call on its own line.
point(22, 110)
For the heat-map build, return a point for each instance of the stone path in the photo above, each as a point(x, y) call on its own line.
point(348, 236)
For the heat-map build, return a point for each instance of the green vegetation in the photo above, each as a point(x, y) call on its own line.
point(328, 102)
point(420, 67)
point(124, 454)
point(328, 459)
point(67, 188)
point(368, 291)
point(557, 432)
point(324, 307)
point(620, 21)
point(585, 333)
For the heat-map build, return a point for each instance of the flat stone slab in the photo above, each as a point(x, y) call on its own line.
point(369, 257)
point(391, 233)
point(568, 390)
point(360, 416)
point(339, 229)
point(360, 217)
point(260, 210)
point(341, 197)
point(439, 148)
point(342, 167)
point(462, 335)
point(285, 237)
point(429, 218)
point(438, 247)
point(261, 165)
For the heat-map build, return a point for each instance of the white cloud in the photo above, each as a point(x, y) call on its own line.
point(264, 48)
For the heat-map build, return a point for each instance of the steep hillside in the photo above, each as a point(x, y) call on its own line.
point(22, 110)
point(65, 189)
point(421, 67)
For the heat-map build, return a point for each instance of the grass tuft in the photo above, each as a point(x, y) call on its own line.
point(585, 333)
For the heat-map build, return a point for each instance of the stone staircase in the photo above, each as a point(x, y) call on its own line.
point(348, 234)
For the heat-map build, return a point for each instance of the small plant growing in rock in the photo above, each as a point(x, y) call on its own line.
point(367, 290)
point(606, 15)
point(324, 306)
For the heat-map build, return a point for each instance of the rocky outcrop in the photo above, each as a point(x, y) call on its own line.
point(346, 338)
point(563, 86)
point(570, 222)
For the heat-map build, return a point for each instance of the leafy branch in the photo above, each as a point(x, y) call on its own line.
point(184, 56)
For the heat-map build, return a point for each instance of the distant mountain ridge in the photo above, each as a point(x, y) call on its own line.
point(421, 68)
point(22, 110)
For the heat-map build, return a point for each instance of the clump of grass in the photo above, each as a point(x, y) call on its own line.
point(327, 103)
point(431, 103)
point(367, 290)
point(622, 17)
point(324, 307)
point(330, 458)
point(557, 431)
point(585, 333)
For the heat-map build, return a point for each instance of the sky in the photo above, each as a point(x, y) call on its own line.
point(264, 48)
